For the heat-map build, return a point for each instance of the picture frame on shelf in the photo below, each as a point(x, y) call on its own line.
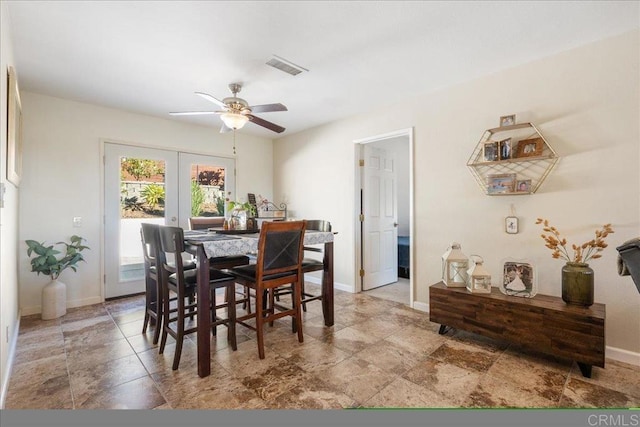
point(518, 278)
point(14, 130)
point(501, 183)
point(530, 147)
point(504, 147)
point(490, 151)
point(523, 186)
point(508, 120)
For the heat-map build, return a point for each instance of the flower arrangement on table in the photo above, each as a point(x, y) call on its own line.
point(581, 253)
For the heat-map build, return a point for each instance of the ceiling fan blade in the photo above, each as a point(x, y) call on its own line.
point(212, 99)
point(193, 113)
point(262, 122)
point(225, 128)
point(267, 108)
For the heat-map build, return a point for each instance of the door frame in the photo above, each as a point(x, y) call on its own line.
point(357, 188)
point(104, 141)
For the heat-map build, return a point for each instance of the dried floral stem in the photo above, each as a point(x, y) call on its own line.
point(581, 253)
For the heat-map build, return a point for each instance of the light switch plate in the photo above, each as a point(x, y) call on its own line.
point(511, 225)
point(77, 221)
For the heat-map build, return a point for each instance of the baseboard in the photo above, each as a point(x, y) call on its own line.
point(336, 285)
point(37, 309)
point(621, 355)
point(10, 358)
point(421, 306)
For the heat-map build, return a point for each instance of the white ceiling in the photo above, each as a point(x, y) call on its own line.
point(150, 57)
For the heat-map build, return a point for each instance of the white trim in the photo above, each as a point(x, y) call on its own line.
point(622, 355)
point(421, 306)
point(37, 309)
point(408, 132)
point(336, 285)
point(13, 345)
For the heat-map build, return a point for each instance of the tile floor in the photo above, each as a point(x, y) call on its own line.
point(379, 353)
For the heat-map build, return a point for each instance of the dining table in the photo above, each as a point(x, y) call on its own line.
point(206, 244)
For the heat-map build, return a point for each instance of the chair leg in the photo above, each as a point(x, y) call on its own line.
point(179, 334)
point(214, 316)
point(146, 321)
point(298, 312)
point(304, 304)
point(259, 322)
point(165, 319)
point(231, 316)
point(159, 312)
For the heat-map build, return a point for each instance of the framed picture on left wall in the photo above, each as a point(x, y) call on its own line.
point(14, 130)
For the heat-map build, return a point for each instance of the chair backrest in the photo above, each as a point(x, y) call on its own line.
point(318, 225)
point(280, 248)
point(204, 222)
point(150, 241)
point(171, 243)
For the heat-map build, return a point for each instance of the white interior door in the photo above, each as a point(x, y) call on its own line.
point(380, 233)
point(127, 205)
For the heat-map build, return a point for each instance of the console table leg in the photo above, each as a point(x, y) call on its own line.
point(585, 369)
point(443, 329)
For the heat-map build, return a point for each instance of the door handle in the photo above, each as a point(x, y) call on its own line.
point(395, 224)
point(173, 219)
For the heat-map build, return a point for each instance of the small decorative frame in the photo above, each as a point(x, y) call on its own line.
point(530, 147)
point(501, 183)
point(508, 120)
point(505, 149)
point(490, 151)
point(523, 186)
point(511, 225)
point(518, 278)
point(14, 130)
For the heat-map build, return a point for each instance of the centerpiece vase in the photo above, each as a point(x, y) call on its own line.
point(577, 284)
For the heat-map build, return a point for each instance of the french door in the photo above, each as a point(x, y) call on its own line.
point(155, 186)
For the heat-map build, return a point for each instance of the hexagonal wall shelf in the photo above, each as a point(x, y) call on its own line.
point(511, 160)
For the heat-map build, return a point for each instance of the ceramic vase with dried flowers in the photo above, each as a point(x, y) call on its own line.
point(577, 276)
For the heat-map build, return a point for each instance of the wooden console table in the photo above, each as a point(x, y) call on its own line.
point(543, 323)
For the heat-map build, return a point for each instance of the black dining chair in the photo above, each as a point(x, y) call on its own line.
point(309, 264)
point(279, 263)
point(182, 282)
point(153, 291)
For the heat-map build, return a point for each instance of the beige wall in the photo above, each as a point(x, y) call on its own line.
point(62, 178)
point(9, 314)
point(585, 102)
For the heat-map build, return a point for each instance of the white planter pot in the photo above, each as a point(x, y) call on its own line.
point(54, 300)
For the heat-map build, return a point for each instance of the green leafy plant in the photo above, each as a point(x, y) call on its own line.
point(197, 198)
point(132, 204)
point(220, 205)
point(246, 206)
point(153, 194)
point(47, 262)
point(139, 168)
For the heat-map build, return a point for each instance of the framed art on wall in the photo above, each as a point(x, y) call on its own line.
point(14, 130)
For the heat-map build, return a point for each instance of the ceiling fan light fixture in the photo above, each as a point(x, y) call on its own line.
point(234, 120)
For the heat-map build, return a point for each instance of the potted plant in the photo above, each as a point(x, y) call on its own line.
point(46, 261)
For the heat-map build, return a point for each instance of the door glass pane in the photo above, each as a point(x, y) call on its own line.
point(207, 190)
point(142, 196)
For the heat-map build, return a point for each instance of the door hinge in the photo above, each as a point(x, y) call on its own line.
point(361, 217)
point(361, 162)
point(361, 273)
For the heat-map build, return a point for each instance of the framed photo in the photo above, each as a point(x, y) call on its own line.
point(523, 186)
point(501, 183)
point(505, 149)
point(490, 151)
point(511, 225)
point(508, 120)
point(518, 278)
point(14, 130)
point(530, 147)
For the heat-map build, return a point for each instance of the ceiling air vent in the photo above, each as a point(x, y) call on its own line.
point(286, 66)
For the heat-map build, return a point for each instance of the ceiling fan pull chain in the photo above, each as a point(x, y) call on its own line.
point(234, 142)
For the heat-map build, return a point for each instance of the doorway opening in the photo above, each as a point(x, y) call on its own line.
point(384, 216)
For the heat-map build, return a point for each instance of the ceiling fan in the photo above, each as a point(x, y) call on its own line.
point(236, 112)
